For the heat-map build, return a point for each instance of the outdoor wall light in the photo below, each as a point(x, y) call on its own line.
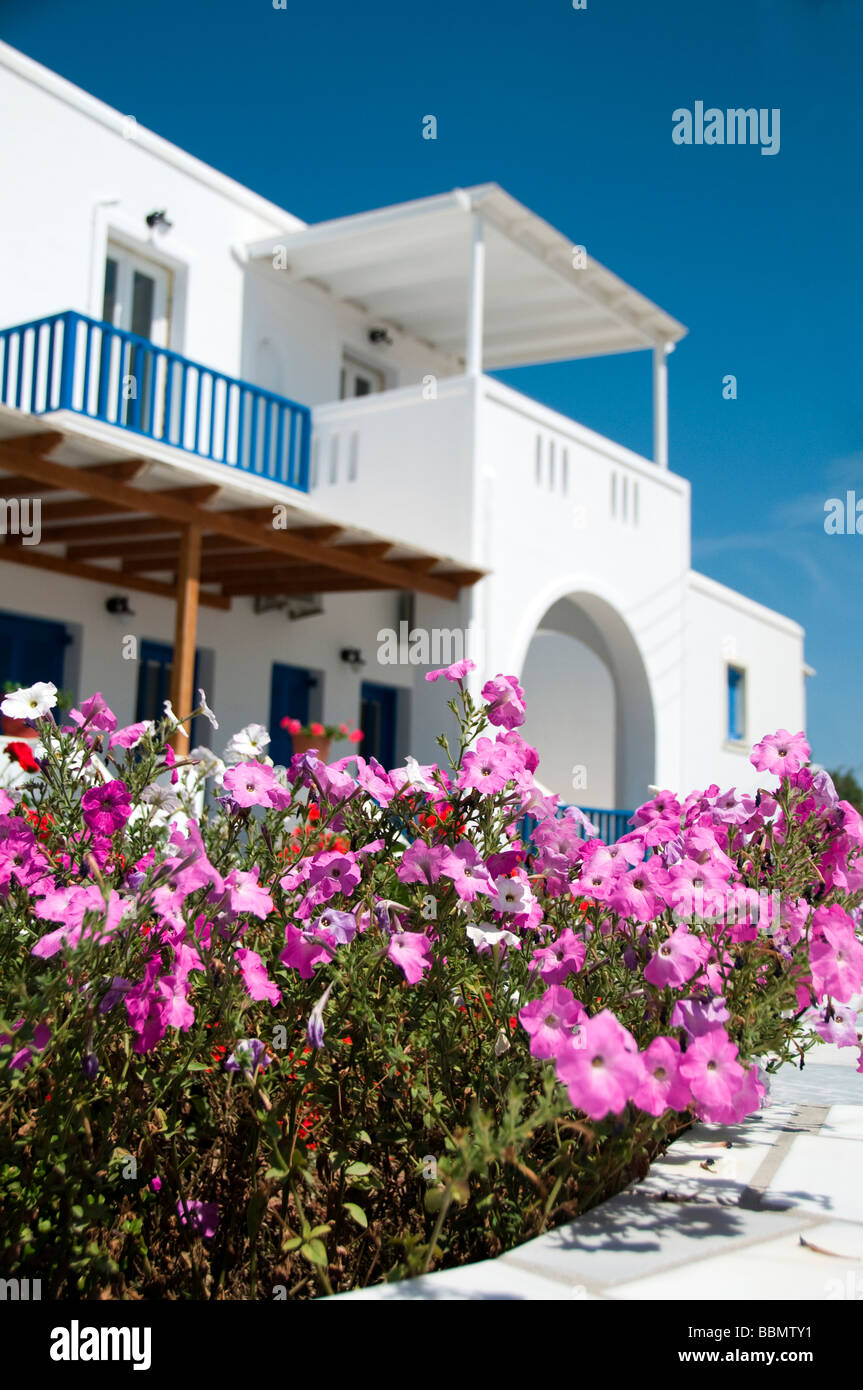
point(118, 603)
point(380, 337)
point(353, 657)
point(158, 221)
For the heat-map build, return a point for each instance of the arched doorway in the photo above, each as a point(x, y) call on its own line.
point(589, 705)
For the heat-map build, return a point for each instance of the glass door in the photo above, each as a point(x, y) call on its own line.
point(137, 298)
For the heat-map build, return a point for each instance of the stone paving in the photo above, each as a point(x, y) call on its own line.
point(771, 1208)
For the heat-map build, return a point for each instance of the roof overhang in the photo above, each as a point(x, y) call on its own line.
point(409, 265)
point(114, 517)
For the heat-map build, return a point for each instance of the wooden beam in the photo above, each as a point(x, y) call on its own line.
point(387, 576)
point(35, 558)
point(299, 581)
point(106, 530)
point(374, 549)
point(420, 564)
point(58, 513)
point(146, 554)
point(186, 627)
point(16, 485)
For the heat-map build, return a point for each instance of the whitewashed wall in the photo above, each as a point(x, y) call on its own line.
point(723, 626)
point(245, 645)
point(77, 174)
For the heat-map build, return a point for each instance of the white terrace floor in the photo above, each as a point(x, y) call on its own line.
point(770, 1209)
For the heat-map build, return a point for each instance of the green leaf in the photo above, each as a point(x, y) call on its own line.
point(316, 1252)
point(357, 1213)
point(357, 1170)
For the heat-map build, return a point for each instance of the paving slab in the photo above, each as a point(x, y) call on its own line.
point(768, 1209)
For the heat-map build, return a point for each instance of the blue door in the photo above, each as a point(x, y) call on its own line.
point(290, 690)
point(155, 668)
point(378, 722)
point(31, 649)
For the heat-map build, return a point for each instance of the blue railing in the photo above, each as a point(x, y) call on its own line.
point(611, 824)
point(71, 362)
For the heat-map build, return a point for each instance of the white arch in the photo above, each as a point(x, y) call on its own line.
point(635, 737)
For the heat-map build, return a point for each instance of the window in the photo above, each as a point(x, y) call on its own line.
point(736, 704)
point(359, 380)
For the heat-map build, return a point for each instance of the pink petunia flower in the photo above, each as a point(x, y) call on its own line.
point(560, 959)
point(249, 784)
point(661, 1087)
point(467, 871)
point(410, 951)
point(203, 1217)
point(835, 955)
point(255, 978)
point(107, 808)
point(551, 1020)
point(676, 960)
point(781, 753)
point(711, 1069)
point(456, 672)
point(601, 1068)
point(488, 767)
point(505, 699)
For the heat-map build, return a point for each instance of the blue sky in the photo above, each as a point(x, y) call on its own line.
point(319, 108)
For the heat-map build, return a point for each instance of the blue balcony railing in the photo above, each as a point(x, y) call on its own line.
point(611, 824)
point(71, 362)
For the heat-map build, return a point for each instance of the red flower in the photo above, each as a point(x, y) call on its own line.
point(22, 754)
point(42, 825)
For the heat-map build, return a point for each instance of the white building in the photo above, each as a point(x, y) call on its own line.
point(165, 355)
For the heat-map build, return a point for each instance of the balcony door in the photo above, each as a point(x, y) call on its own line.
point(137, 299)
point(137, 295)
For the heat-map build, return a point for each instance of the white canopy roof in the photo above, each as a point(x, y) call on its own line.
point(409, 265)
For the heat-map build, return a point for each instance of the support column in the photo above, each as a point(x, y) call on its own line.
point(476, 298)
point(660, 405)
point(186, 626)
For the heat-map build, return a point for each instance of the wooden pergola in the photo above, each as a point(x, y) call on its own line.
point(209, 554)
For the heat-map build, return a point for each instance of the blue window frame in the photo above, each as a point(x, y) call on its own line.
point(31, 649)
point(378, 712)
point(736, 704)
point(290, 697)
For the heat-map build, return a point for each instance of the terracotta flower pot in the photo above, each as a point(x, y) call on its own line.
point(303, 742)
point(18, 728)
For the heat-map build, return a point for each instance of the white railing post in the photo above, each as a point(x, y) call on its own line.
point(660, 403)
point(476, 298)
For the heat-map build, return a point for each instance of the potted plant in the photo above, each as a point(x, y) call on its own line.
point(319, 736)
point(22, 728)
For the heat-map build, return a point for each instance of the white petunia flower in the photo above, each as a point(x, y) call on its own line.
point(487, 936)
point(205, 709)
point(208, 764)
point(161, 798)
point(174, 723)
point(32, 702)
point(248, 743)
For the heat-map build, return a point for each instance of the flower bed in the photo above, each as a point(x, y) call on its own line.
point(344, 1026)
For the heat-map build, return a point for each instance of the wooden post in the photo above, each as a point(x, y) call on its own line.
point(185, 628)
